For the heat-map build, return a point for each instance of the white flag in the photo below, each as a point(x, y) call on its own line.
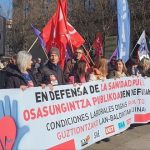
point(143, 50)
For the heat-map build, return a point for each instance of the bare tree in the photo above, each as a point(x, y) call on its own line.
point(87, 16)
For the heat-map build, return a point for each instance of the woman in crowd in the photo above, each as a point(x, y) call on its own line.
point(101, 72)
point(101, 69)
point(111, 64)
point(134, 69)
point(120, 70)
point(19, 75)
point(80, 74)
point(145, 67)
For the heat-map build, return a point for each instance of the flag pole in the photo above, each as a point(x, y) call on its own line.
point(88, 54)
point(133, 49)
point(90, 48)
point(45, 53)
point(32, 45)
point(65, 18)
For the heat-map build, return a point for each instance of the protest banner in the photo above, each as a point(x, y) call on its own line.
point(73, 117)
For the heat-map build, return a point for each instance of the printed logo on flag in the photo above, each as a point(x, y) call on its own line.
point(109, 129)
point(142, 46)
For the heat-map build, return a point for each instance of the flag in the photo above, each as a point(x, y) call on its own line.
point(141, 38)
point(64, 7)
point(48, 33)
point(97, 45)
point(74, 38)
point(54, 33)
point(113, 55)
point(143, 49)
point(59, 33)
point(58, 29)
point(37, 33)
point(55, 30)
point(123, 16)
point(68, 53)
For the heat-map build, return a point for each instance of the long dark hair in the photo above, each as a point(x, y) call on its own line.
point(124, 66)
point(80, 68)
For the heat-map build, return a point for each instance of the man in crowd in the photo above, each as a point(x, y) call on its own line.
point(51, 73)
point(70, 66)
point(1, 65)
point(38, 64)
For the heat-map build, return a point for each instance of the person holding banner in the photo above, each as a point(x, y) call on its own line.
point(145, 67)
point(101, 69)
point(120, 70)
point(80, 73)
point(51, 73)
point(134, 68)
point(20, 75)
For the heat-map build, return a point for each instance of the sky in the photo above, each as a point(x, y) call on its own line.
point(6, 8)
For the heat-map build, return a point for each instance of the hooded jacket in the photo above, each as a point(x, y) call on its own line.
point(14, 77)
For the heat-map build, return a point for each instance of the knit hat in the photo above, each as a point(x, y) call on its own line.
point(54, 50)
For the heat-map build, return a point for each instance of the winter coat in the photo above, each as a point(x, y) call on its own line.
point(51, 74)
point(14, 77)
point(69, 69)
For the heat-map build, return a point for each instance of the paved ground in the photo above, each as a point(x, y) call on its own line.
point(137, 138)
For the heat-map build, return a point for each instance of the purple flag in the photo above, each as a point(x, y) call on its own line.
point(37, 33)
point(68, 53)
point(113, 55)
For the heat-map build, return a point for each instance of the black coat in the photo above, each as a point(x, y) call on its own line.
point(50, 69)
point(14, 77)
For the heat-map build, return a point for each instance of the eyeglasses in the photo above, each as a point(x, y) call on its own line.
point(78, 52)
point(113, 60)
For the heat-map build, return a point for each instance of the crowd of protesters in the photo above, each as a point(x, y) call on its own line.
point(21, 71)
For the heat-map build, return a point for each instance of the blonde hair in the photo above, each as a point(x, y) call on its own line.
point(145, 64)
point(103, 66)
point(23, 57)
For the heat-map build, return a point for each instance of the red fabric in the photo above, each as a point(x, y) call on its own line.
point(86, 59)
point(142, 117)
point(64, 146)
point(58, 32)
point(73, 36)
point(54, 33)
point(48, 35)
point(64, 6)
point(97, 45)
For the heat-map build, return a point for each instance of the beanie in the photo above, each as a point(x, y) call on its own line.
point(54, 50)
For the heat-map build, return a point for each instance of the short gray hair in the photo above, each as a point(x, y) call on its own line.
point(23, 57)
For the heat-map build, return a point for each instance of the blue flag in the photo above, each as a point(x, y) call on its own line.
point(123, 16)
point(143, 49)
point(6, 9)
point(37, 33)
